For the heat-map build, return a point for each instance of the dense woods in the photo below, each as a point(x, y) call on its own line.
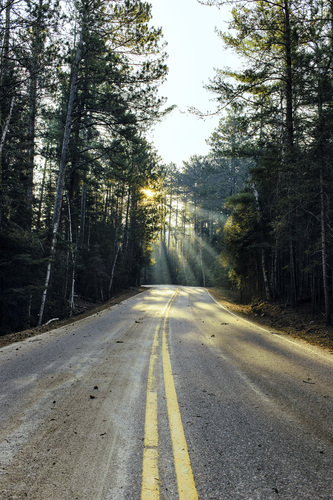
point(279, 229)
point(78, 88)
point(191, 236)
point(262, 199)
point(83, 193)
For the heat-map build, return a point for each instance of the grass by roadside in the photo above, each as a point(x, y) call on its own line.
point(298, 324)
point(11, 338)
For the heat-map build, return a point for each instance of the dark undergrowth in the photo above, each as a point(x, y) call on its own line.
point(300, 323)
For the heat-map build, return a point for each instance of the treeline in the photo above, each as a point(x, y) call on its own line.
point(279, 236)
point(272, 232)
point(191, 242)
point(78, 87)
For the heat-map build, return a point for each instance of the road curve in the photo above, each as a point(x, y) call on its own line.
point(167, 395)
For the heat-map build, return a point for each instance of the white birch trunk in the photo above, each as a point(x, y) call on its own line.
point(114, 267)
point(72, 293)
point(62, 168)
point(5, 129)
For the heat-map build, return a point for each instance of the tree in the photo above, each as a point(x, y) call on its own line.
point(286, 89)
point(63, 158)
point(74, 113)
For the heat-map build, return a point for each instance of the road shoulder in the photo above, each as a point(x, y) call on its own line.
point(12, 338)
point(299, 324)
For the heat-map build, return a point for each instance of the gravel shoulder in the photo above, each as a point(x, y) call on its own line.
point(297, 324)
point(11, 338)
point(301, 324)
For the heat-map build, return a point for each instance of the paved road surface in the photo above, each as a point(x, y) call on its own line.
point(165, 396)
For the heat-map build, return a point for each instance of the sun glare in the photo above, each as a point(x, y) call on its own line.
point(148, 192)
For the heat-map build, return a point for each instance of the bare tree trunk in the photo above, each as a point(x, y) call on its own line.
point(5, 129)
point(324, 251)
point(114, 266)
point(31, 133)
point(323, 206)
point(276, 280)
point(3, 139)
point(170, 216)
point(4, 74)
point(324, 263)
point(34, 69)
point(176, 223)
point(127, 221)
point(31, 140)
point(263, 260)
point(289, 81)
point(184, 233)
point(72, 252)
point(41, 196)
point(265, 276)
point(293, 286)
point(48, 274)
point(62, 166)
point(202, 265)
point(331, 14)
point(83, 213)
point(290, 136)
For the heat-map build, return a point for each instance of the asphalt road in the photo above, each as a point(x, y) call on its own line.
point(165, 396)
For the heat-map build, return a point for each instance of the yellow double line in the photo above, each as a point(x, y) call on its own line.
point(150, 472)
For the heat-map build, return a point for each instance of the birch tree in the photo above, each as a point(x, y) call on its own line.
point(63, 158)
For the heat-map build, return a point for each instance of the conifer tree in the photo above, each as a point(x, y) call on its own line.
point(287, 89)
point(113, 100)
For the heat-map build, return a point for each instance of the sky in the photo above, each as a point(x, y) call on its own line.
point(194, 51)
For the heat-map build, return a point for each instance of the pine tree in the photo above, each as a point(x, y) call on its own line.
point(286, 86)
point(113, 101)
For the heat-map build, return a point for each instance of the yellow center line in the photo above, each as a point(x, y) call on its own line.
point(184, 474)
point(150, 473)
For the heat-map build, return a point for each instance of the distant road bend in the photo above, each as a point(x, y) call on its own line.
point(165, 396)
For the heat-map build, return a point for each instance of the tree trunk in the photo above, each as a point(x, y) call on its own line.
point(5, 129)
point(293, 287)
point(83, 213)
point(170, 216)
point(62, 166)
point(324, 252)
point(73, 259)
point(127, 221)
point(263, 260)
point(323, 208)
point(289, 81)
point(114, 266)
point(41, 196)
point(3, 82)
point(331, 16)
point(265, 276)
point(34, 69)
point(202, 265)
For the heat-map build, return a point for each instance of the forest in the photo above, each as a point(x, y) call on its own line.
point(256, 212)
point(78, 91)
point(87, 207)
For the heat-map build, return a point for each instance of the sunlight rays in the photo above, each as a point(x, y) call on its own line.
point(184, 258)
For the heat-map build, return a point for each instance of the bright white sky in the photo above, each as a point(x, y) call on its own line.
point(194, 51)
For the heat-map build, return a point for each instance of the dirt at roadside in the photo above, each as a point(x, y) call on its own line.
point(87, 310)
point(298, 324)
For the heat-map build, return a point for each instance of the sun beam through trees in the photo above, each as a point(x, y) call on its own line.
point(191, 240)
point(86, 206)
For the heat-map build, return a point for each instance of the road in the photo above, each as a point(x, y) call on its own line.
point(167, 395)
